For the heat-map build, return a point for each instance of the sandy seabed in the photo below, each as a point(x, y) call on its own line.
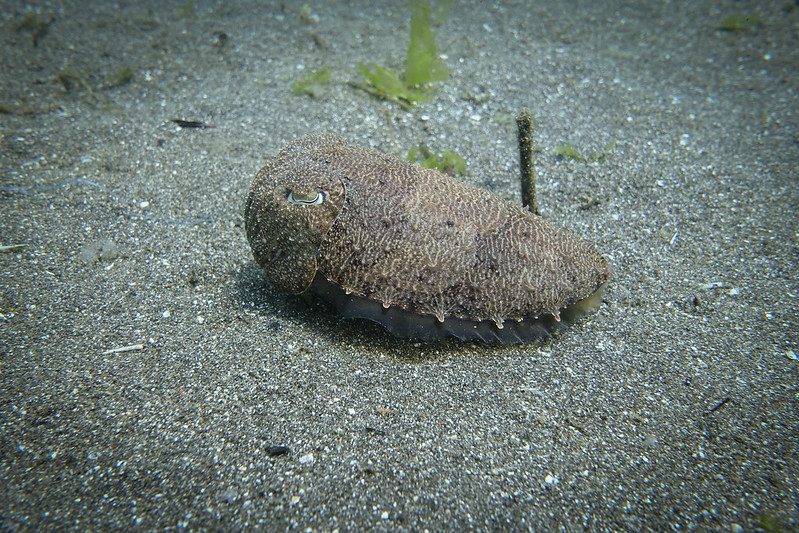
point(151, 379)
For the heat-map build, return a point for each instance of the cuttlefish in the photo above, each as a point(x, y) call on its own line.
point(413, 249)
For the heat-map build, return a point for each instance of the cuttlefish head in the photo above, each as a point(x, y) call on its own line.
point(292, 204)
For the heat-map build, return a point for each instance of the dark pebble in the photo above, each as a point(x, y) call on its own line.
point(275, 451)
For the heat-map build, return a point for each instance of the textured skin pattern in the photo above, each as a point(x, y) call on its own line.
point(412, 238)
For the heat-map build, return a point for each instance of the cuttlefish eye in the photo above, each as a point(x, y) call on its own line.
point(316, 198)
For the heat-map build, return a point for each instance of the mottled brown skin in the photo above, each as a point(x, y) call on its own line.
point(387, 231)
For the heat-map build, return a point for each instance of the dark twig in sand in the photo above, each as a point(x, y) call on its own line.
point(719, 405)
point(191, 123)
point(524, 124)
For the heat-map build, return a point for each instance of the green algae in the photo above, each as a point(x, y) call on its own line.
point(186, 10)
point(448, 161)
point(569, 152)
point(739, 22)
point(385, 83)
point(36, 25)
point(422, 66)
point(122, 76)
point(312, 84)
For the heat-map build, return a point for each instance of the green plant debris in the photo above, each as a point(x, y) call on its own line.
point(312, 84)
point(122, 76)
point(186, 10)
point(604, 153)
point(29, 22)
point(34, 24)
point(26, 110)
point(307, 15)
point(422, 66)
point(384, 83)
point(448, 161)
point(740, 22)
point(569, 152)
point(71, 80)
point(320, 42)
point(769, 523)
point(503, 118)
point(476, 98)
point(587, 202)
